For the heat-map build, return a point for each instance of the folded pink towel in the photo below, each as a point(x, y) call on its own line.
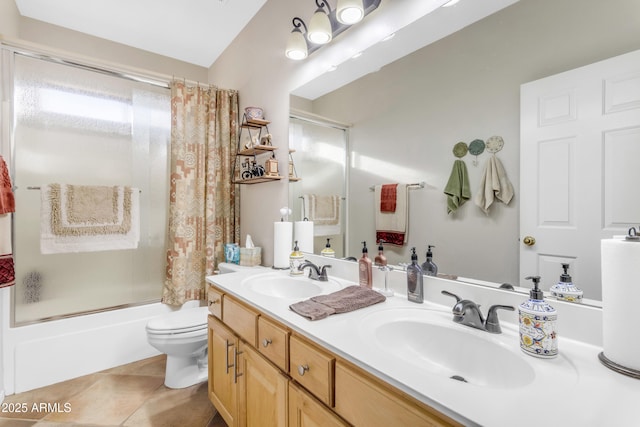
point(388, 194)
point(342, 301)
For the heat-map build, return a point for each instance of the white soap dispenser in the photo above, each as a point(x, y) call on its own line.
point(565, 290)
point(537, 320)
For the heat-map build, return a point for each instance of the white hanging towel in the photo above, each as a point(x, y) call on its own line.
point(81, 218)
point(493, 185)
point(324, 212)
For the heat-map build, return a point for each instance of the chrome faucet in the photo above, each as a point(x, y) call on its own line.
point(315, 272)
point(467, 312)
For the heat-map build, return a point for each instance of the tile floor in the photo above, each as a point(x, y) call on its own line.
point(131, 395)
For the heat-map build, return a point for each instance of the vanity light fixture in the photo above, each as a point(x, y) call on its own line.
point(349, 12)
point(297, 44)
point(325, 24)
point(320, 31)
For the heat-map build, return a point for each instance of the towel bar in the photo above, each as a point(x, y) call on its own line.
point(29, 187)
point(415, 185)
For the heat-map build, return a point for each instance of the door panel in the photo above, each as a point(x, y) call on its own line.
point(580, 141)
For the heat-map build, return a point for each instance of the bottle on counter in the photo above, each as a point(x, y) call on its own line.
point(364, 268)
point(537, 320)
point(295, 259)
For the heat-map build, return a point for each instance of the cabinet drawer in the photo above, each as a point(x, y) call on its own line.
point(273, 343)
point(240, 318)
point(365, 401)
point(313, 368)
point(215, 302)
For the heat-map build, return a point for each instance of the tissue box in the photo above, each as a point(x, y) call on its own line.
point(250, 256)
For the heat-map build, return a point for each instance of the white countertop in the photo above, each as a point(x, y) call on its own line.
point(574, 389)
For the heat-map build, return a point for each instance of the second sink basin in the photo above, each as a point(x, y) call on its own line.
point(280, 285)
point(428, 339)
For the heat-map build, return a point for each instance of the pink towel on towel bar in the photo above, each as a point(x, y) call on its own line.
point(388, 195)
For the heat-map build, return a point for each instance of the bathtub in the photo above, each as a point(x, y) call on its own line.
point(45, 353)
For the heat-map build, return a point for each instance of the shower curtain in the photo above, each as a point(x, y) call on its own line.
point(203, 201)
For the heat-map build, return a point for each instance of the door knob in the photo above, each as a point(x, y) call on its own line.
point(529, 240)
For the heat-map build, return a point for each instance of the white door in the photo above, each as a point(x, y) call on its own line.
point(579, 168)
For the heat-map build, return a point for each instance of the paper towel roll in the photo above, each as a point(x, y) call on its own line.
point(282, 238)
point(620, 298)
point(303, 233)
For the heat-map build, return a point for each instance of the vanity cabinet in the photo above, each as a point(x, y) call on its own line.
point(223, 353)
point(262, 391)
point(378, 403)
point(261, 373)
point(305, 411)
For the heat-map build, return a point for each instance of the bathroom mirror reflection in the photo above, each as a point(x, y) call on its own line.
point(317, 179)
point(406, 118)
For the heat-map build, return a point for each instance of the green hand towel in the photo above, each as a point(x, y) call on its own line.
point(457, 189)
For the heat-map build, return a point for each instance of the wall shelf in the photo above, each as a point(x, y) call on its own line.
point(246, 168)
point(257, 179)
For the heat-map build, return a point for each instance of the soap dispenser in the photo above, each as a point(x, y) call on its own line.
point(565, 290)
point(415, 285)
point(295, 260)
point(380, 260)
point(537, 320)
point(429, 267)
point(364, 268)
point(328, 250)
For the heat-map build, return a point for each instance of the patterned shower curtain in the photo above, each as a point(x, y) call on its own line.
point(204, 204)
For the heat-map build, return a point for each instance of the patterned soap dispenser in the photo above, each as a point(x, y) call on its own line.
point(565, 290)
point(537, 320)
point(295, 260)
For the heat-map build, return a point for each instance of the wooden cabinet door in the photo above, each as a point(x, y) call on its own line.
point(306, 411)
point(263, 391)
point(223, 387)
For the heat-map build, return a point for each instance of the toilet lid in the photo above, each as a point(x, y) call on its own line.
point(188, 320)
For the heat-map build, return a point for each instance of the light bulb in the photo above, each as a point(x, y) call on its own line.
point(349, 12)
point(296, 46)
point(319, 28)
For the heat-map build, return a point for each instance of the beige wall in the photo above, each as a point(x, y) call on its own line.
point(412, 112)
point(9, 17)
point(255, 65)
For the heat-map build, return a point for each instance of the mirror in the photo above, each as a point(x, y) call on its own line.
point(317, 179)
point(407, 117)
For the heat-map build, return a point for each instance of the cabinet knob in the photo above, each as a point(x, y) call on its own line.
point(215, 301)
point(302, 369)
point(266, 342)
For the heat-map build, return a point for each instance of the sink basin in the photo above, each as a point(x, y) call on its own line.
point(279, 285)
point(428, 339)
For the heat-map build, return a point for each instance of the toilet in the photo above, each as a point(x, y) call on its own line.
point(182, 336)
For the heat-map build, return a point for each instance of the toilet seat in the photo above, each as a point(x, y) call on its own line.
point(179, 322)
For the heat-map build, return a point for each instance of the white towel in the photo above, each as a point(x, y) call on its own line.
point(494, 185)
point(81, 230)
point(392, 226)
point(324, 212)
